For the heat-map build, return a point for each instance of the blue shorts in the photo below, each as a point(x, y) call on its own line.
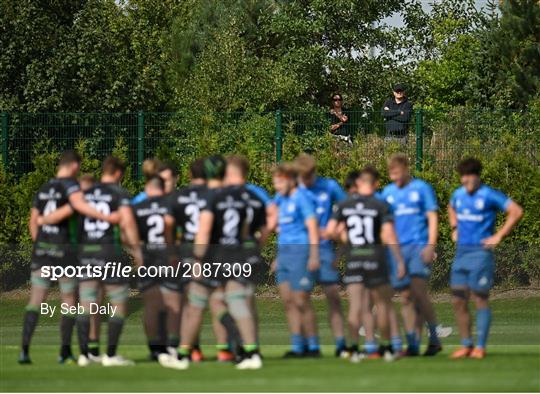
point(292, 267)
point(413, 262)
point(327, 274)
point(473, 268)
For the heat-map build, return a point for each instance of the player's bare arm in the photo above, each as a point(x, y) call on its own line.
point(313, 235)
point(271, 217)
point(128, 227)
point(33, 223)
point(428, 253)
point(514, 213)
point(80, 205)
point(58, 215)
point(332, 229)
point(389, 238)
point(203, 235)
point(452, 218)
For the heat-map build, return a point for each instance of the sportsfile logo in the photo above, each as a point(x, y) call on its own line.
point(182, 270)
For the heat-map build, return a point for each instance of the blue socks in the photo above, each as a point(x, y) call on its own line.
point(467, 342)
point(433, 338)
point(313, 343)
point(397, 344)
point(483, 321)
point(297, 343)
point(340, 343)
point(371, 347)
point(412, 342)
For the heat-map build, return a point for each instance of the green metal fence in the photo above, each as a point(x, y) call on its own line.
point(435, 138)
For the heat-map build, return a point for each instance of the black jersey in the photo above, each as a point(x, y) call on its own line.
point(52, 195)
point(150, 218)
point(365, 255)
point(185, 206)
point(105, 198)
point(230, 209)
point(363, 217)
point(256, 212)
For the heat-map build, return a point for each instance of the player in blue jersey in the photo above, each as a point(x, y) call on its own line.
point(472, 212)
point(414, 206)
point(326, 192)
point(297, 259)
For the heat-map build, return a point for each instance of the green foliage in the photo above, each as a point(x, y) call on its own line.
point(508, 63)
point(480, 59)
point(83, 55)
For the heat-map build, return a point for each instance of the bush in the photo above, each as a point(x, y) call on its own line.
point(506, 142)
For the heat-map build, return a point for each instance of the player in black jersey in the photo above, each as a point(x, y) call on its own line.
point(368, 226)
point(236, 174)
point(223, 227)
point(86, 181)
point(156, 225)
point(186, 204)
point(54, 245)
point(101, 245)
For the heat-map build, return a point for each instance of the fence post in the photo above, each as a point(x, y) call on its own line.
point(419, 129)
point(5, 140)
point(140, 144)
point(278, 136)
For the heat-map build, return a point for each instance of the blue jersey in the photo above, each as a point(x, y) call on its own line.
point(476, 213)
point(293, 211)
point(325, 192)
point(139, 198)
point(260, 192)
point(410, 204)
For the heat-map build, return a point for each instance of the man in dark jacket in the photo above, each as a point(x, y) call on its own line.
point(397, 113)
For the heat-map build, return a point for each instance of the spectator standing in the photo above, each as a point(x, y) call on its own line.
point(397, 113)
point(339, 119)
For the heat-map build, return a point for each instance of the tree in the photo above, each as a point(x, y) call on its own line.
point(508, 62)
point(449, 45)
point(93, 55)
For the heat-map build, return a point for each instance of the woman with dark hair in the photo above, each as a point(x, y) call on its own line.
point(339, 118)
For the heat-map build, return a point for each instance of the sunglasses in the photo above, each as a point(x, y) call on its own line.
point(337, 99)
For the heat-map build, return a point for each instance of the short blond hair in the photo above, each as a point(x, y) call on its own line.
point(305, 164)
point(398, 159)
point(150, 167)
point(286, 169)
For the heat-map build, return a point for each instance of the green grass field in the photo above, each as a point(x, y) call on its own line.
point(513, 362)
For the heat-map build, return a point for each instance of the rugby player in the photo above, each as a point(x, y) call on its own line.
point(223, 227)
point(369, 224)
point(186, 206)
point(297, 259)
point(86, 181)
point(155, 224)
point(472, 213)
point(101, 244)
point(414, 206)
point(54, 245)
point(257, 200)
point(326, 192)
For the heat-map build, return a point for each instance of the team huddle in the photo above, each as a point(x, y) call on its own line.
point(217, 226)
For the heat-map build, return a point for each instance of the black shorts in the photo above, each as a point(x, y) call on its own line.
point(99, 256)
point(366, 266)
point(226, 256)
point(162, 272)
point(50, 254)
